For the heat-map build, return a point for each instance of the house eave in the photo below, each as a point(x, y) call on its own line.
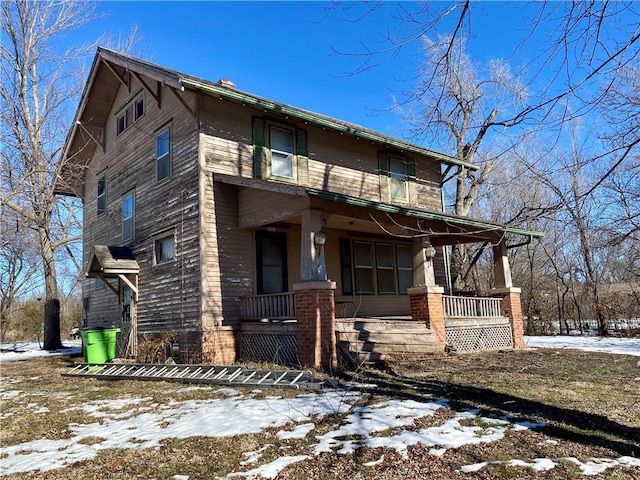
point(320, 120)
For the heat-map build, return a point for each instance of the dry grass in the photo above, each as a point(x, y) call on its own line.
point(590, 402)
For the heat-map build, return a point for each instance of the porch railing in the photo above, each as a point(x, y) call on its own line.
point(471, 307)
point(274, 306)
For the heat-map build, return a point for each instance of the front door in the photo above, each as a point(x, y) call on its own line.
point(272, 262)
point(126, 347)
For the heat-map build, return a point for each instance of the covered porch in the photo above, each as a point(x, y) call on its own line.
point(333, 297)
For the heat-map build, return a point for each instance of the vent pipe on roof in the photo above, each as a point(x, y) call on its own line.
point(225, 82)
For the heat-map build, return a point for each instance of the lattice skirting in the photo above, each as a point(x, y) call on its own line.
point(471, 339)
point(281, 349)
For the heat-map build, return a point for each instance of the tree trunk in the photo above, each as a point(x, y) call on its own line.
point(52, 325)
point(52, 339)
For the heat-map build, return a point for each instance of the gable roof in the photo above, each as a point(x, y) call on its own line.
point(107, 74)
point(110, 261)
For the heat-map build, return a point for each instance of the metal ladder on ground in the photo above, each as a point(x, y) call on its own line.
point(232, 375)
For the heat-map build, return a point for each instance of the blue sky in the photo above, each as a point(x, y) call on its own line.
point(283, 50)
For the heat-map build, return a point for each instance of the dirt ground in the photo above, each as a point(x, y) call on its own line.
point(589, 401)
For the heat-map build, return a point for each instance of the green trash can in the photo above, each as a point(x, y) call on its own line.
point(99, 345)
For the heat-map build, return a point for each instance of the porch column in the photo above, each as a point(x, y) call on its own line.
point(312, 263)
point(423, 271)
point(316, 319)
point(315, 297)
point(510, 295)
point(427, 307)
point(426, 297)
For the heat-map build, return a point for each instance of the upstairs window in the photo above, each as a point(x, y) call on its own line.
point(398, 179)
point(131, 114)
point(281, 143)
point(128, 212)
point(399, 171)
point(102, 194)
point(164, 248)
point(280, 151)
point(163, 154)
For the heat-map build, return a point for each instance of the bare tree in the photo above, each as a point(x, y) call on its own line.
point(38, 88)
point(19, 265)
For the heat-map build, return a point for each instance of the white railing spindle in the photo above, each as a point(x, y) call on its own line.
point(274, 306)
point(471, 307)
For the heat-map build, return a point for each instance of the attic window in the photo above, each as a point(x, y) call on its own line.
point(130, 115)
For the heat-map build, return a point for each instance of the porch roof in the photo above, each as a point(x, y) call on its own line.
point(460, 229)
point(109, 261)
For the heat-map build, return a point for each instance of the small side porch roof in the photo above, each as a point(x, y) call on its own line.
point(109, 261)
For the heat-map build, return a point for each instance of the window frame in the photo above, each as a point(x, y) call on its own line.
point(402, 178)
point(293, 155)
point(158, 239)
point(130, 194)
point(132, 111)
point(102, 178)
point(168, 155)
point(350, 266)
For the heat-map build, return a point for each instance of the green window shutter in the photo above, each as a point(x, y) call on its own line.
point(411, 170)
point(259, 147)
point(301, 142)
point(383, 163)
point(345, 266)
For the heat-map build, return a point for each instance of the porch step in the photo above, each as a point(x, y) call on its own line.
point(232, 375)
point(378, 340)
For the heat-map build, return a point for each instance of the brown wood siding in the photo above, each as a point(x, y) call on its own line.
point(228, 259)
point(168, 293)
point(337, 163)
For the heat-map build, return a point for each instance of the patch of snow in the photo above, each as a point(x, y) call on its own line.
point(622, 346)
point(270, 470)
point(180, 477)
point(13, 352)
point(300, 431)
point(373, 463)
point(476, 467)
point(253, 457)
point(8, 394)
point(538, 464)
point(222, 417)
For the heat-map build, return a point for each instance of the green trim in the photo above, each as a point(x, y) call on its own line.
point(327, 122)
point(259, 146)
point(441, 217)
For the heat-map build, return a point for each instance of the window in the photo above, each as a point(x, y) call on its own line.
point(102, 194)
point(163, 154)
point(398, 177)
point(164, 248)
point(378, 268)
point(385, 270)
point(363, 266)
point(281, 143)
point(404, 261)
point(131, 114)
point(99, 285)
point(128, 206)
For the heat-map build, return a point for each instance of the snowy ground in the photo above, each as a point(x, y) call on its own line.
point(622, 346)
point(135, 423)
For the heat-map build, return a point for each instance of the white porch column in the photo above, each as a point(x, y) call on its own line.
point(312, 263)
point(423, 271)
point(501, 268)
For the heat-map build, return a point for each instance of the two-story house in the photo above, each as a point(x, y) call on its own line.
point(245, 226)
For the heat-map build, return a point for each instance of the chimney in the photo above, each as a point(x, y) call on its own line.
point(225, 82)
